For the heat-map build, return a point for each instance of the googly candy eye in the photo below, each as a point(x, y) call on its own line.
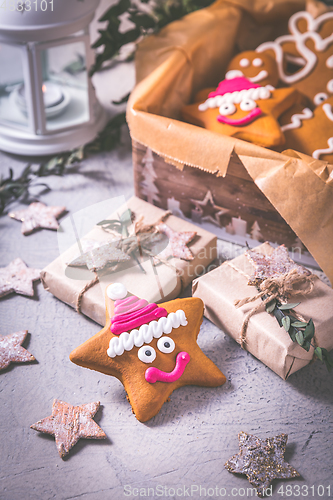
point(319, 98)
point(227, 108)
point(244, 63)
point(165, 344)
point(247, 104)
point(257, 62)
point(147, 354)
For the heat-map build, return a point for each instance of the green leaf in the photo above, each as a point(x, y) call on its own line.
point(286, 323)
point(126, 216)
point(319, 353)
point(271, 306)
point(300, 337)
point(306, 345)
point(284, 307)
point(299, 324)
point(309, 330)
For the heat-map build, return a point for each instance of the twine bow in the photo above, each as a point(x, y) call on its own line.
point(279, 287)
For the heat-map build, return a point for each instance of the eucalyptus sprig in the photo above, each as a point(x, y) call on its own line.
point(299, 331)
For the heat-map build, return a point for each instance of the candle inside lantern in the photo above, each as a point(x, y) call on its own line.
point(52, 94)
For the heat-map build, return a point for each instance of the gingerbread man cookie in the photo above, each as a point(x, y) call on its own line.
point(311, 132)
point(242, 109)
point(151, 349)
point(309, 46)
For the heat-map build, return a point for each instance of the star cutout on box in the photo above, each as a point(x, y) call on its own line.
point(151, 349)
point(177, 246)
point(70, 423)
point(208, 211)
point(98, 255)
point(18, 278)
point(273, 265)
point(261, 460)
point(11, 350)
point(242, 109)
point(38, 215)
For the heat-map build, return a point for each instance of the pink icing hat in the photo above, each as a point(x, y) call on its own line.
point(233, 85)
point(131, 312)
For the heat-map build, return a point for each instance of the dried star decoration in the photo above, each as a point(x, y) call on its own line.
point(18, 278)
point(98, 255)
point(261, 460)
point(38, 215)
point(70, 423)
point(11, 350)
point(270, 266)
point(177, 243)
point(208, 210)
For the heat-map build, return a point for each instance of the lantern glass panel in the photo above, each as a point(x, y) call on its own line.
point(65, 85)
point(13, 109)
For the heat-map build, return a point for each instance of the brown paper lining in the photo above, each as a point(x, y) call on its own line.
point(170, 279)
point(193, 53)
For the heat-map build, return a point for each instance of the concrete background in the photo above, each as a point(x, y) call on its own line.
point(188, 442)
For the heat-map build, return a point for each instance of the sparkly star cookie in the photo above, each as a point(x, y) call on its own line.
point(18, 278)
point(261, 460)
point(151, 349)
point(11, 350)
point(70, 423)
point(242, 109)
point(36, 216)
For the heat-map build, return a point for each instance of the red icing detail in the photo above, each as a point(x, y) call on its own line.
point(240, 121)
point(153, 374)
point(233, 85)
point(126, 322)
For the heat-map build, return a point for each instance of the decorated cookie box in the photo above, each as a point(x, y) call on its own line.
point(242, 191)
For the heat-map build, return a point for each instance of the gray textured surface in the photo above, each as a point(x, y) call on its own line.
point(188, 442)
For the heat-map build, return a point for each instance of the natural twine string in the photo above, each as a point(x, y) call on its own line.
point(142, 233)
point(279, 287)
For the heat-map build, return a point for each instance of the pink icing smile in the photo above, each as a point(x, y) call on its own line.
point(240, 121)
point(153, 374)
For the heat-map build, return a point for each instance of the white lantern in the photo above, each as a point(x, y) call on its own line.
point(47, 101)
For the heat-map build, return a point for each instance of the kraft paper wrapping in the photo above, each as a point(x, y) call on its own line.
point(193, 53)
point(264, 337)
point(159, 283)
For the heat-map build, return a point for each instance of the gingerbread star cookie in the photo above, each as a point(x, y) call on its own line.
point(151, 349)
point(38, 215)
point(11, 350)
point(261, 460)
point(18, 278)
point(70, 423)
point(242, 109)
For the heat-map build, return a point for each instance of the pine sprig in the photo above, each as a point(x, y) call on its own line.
point(301, 332)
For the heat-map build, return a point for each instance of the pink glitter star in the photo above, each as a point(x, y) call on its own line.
point(177, 243)
point(18, 278)
point(11, 350)
point(38, 215)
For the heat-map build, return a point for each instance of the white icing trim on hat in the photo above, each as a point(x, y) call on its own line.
point(155, 329)
point(236, 97)
point(116, 291)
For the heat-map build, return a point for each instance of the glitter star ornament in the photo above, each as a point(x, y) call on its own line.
point(18, 278)
point(208, 211)
point(261, 460)
point(270, 266)
point(177, 246)
point(11, 350)
point(38, 215)
point(70, 423)
point(152, 349)
point(97, 255)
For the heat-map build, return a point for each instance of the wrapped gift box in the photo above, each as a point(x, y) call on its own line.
point(234, 188)
point(265, 339)
point(154, 282)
